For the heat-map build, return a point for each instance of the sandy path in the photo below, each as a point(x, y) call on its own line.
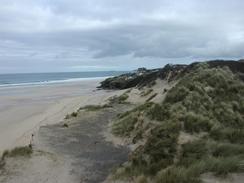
point(83, 143)
point(77, 154)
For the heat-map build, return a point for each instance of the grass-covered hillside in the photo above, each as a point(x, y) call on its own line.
point(198, 128)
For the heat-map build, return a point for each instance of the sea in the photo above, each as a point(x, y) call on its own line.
point(27, 79)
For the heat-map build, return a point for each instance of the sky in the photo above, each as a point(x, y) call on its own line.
point(100, 35)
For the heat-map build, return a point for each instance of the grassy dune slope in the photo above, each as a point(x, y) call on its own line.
point(198, 128)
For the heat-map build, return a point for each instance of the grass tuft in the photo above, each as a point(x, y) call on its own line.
point(95, 107)
point(146, 92)
point(18, 151)
point(177, 175)
point(141, 179)
point(119, 99)
point(74, 114)
point(151, 97)
point(124, 126)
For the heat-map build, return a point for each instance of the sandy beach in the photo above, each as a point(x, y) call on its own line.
point(24, 109)
point(77, 153)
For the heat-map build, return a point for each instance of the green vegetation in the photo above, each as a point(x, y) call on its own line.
point(2, 164)
point(151, 97)
point(139, 108)
point(95, 107)
point(191, 174)
point(223, 166)
point(124, 126)
point(159, 150)
point(226, 149)
point(196, 122)
point(119, 99)
point(192, 152)
point(122, 98)
point(141, 179)
point(73, 114)
point(146, 92)
point(24, 151)
point(126, 121)
point(18, 151)
point(65, 125)
point(206, 103)
point(177, 175)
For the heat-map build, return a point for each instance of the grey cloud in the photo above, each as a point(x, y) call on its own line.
point(102, 34)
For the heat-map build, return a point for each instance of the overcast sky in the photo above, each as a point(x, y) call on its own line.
point(88, 35)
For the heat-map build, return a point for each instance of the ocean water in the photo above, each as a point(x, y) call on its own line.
point(50, 78)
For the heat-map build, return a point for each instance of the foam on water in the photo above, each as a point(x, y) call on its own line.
point(37, 79)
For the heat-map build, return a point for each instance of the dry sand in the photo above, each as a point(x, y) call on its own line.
point(24, 109)
point(79, 153)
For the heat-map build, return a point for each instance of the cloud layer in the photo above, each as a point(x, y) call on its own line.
point(76, 35)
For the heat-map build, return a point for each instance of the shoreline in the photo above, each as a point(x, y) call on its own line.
point(51, 82)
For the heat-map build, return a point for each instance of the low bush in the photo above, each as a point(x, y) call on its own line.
point(196, 123)
point(125, 123)
point(177, 175)
point(139, 109)
point(151, 97)
point(123, 98)
point(18, 151)
point(177, 94)
point(192, 152)
point(119, 99)
point(74, 114)
point(141, 179)
point(95, 107)
point(226, 149)
point(159, 150)
point(191, 174)
point(228, 134)
point(224, 165)
point(146, 92)
point(124, 126)
point(159, 112)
